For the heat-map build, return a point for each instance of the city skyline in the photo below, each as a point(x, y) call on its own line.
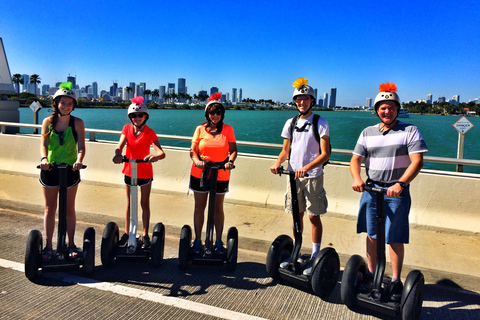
point(262, 49)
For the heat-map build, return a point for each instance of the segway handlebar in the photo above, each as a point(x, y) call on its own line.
point(374, 189)
point(281, 171)
point(125, 159)
point(63, 165)
point(216, 165)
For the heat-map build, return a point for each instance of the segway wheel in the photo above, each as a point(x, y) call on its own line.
point(412, 295)
point(109, 241)
point(184, 247)
point(325, 272)
point(33, 254)
point(280, 250)
point(355, 270)
point(232, 248)
point(89, 250)
point(158, 244)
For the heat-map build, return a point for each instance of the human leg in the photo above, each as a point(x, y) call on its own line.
point(198, 213)
point(71, 215)
point(50, 195)
point(145, 203)
point(397, 252)
point(219, 216)
point(127, 212)
point(371, 254)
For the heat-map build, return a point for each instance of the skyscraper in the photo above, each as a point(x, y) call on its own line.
point(234, 95)
point(240, 95)
point(73, 80)
point(456, 99)
point(325, 100)
point(316, 95)
point(171, 88)
point(95, 89)
point(182, 89)
point(369, 103)
point(161, 93)
point(333, 97)
point(26, 80)
point(429, 98)
point(213, 90)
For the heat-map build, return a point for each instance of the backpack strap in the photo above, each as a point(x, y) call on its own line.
point(71, 124)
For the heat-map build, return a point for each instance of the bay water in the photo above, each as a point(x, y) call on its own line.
point(266, 126)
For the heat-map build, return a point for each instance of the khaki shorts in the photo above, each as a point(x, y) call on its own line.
point(312, 197)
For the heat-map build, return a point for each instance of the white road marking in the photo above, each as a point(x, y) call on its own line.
point(137, 293)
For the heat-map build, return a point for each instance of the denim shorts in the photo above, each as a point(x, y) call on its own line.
point(396, 216)
point(312, 197)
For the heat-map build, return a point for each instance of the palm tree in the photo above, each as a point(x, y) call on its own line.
point(173, 96)
point(34, 79)
point(156, 93)
point(147, 92)
point(166, 96)
point(17, 79)
point(128, 89)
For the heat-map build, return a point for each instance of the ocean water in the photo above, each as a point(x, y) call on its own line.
point(266, 126)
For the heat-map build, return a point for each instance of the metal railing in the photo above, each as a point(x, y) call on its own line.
point(91, 137)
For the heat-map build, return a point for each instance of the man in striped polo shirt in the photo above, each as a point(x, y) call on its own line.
point(393, 153)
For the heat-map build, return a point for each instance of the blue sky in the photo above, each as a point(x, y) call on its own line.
point(425, 47)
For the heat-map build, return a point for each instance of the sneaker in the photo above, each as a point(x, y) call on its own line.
point(146, 242)
point(197, 246)
point(308, 268)
point(123, 240)
point(366, 285)
point(219, 249)
point(396, 292)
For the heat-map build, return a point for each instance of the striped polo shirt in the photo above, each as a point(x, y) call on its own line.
point(387, 153)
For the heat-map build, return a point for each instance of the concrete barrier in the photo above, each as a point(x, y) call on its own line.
point(441, 200)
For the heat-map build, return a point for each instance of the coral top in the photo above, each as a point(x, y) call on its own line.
point(139, 148)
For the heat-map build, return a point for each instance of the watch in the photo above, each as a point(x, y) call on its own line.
point(402, 184)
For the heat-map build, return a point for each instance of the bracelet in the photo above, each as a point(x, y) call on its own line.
point(43, 158)
point(231, 161)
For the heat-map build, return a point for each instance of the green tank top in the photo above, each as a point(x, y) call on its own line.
point(62, 147)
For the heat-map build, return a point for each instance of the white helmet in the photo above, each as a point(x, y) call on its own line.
point(302, 87)
point(214, 98)
point(388, 92)
point(65, 90)
point(137, 106)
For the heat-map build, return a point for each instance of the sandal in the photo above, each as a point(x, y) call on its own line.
point(72, 252)
point(47, 254)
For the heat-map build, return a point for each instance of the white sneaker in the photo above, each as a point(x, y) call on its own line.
point(308, 269)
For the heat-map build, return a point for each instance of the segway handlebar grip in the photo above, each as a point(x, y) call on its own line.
point(281, 171)
point(374, 189)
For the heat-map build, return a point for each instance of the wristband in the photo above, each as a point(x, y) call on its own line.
point(231, 161)
point(43, 158)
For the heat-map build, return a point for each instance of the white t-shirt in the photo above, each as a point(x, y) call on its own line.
point(305, 148)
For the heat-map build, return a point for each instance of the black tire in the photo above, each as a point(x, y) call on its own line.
point(109, 241)
point(280, 250)
point(325, 272)
point(412, 295)
point(158, 244)
point(89, 250)
point(184, 247)
point(355, 270)
point(232, 249)
point(33, 254)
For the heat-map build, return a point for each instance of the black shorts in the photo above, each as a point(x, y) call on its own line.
point(222, 186)
point(140, 182)
point(49, 178)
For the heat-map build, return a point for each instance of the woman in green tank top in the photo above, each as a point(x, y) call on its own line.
point(62, 141)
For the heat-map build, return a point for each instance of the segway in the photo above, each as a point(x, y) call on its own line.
point(325, 268)
point(378, 297)
point(60, 260)
point(208, 256)
point(132, 250)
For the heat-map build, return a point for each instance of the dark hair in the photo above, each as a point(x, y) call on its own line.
point(209, 122)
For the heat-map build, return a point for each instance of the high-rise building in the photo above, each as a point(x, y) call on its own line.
point(429, 98)
point(26, 81)
point(441, 99)
point(316, 95)
point(456, 99)
point(45, 88)
point(113, 89)
point(73, 80)
point(213, 90)
point(171, 88)
point(333, 97)
point(369, 103)
point(240, 95)
point(95, 89)
point(161, 93)
point(234, 95)
point(182, 85)
point(325, 100)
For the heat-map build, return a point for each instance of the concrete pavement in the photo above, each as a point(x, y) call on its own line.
point(444, 257)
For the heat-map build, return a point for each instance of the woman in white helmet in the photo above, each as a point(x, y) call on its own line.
point(62, 141)
point(138, 138)
point(212, 141)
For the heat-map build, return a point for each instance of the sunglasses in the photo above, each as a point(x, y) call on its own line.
point(137, 115)
point(60, 137)
point(218, 113)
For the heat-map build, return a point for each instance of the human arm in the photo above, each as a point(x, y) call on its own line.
point(118, 150)
point(44, 164)
point(282, 156)
point(80, 128)
point(355, 166)
point(158, 149)
point(232, 151)
point(416, 164)
point(194, 156)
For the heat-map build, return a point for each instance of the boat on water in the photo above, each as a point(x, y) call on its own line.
point(402, 113)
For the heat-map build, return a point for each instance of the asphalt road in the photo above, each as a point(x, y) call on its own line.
point(138, 290)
